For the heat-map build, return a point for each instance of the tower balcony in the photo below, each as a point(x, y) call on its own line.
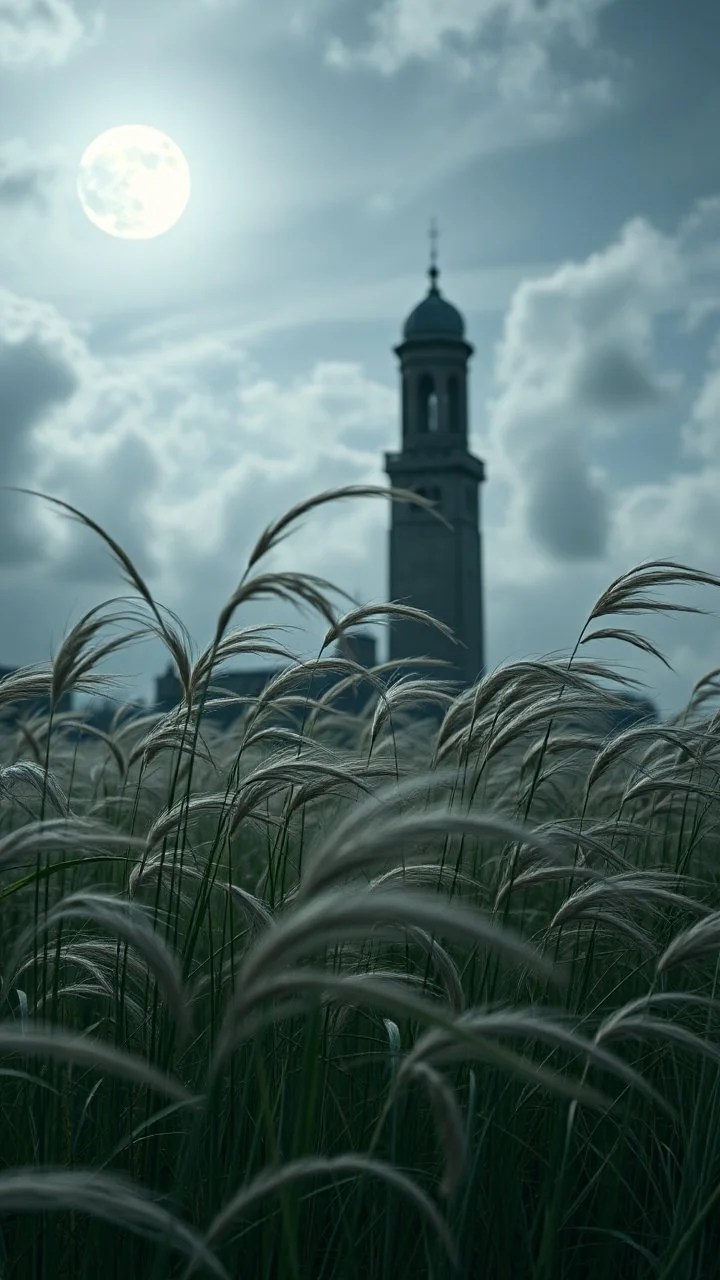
point(433, 460)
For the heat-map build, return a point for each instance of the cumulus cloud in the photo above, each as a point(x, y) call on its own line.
point(27, 177)
point(610, 380)
point(184, 452)
point(502, 49)
point(701, 434)
point(40, 371)
point(567, 509)
point(576, 364)
point(42, 32)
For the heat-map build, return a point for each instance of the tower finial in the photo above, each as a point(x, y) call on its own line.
point(433, 272)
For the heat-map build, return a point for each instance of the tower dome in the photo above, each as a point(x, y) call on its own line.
point(434, 317)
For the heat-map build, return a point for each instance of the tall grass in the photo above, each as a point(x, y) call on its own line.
point(363, 997)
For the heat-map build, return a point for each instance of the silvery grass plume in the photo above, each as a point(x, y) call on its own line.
point(45, 1041)
point(271, 1181)
point(107, 1196)
point(352, 897)
point(131, 925)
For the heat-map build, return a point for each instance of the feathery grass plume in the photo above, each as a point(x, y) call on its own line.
point(514, 679)
point(542, 709)
point(108, 1196)
point(90, 956)
point(385, 991)
point(588, 839)
point(629, 637)
point(707, 687)
point(45, 1041)
point(143, 876)
point(660, 1028)
point(371, 831)
point(642, 888)
point(93, 731)
point(331, 918)
point(280, 736)
point(268, 699)
point(39, 778)
point(276, 532)
point(234, 644)
point(288, 770)
point(295, 588)
point(428, 873)
point(449, 1123)
point(289, 993)
point(444, 964)
point(168, 736)
point(24, 684)
point(300, 796)
point(615, 919)
point(174, 635)
point(101, 980)
point(271, 1181)
point(406, 691)
point(392, 610)
point(439, 1046)
point(128, 922)
point(217, 805)
point(561, 743)
point(626, 593)
point(541, 875)
point(55, 835)
point(700, 940)
point(665, 783)
point(152, 873)
point(76, 656)
point(655, 998)
point(639, 734)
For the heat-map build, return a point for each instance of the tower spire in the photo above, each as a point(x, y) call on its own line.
point(433, 271)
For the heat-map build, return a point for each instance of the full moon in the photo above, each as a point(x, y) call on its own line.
point(134, 182)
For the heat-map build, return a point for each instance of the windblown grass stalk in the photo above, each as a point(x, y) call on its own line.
point(324, 996)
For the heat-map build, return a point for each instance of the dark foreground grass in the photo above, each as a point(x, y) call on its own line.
point(362, 998)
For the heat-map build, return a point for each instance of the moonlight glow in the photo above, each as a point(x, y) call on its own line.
point(134, 182)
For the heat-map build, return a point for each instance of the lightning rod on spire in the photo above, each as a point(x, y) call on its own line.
point(433, 272)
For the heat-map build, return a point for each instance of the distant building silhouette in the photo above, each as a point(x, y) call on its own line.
point(250, 684)
point(431, 566)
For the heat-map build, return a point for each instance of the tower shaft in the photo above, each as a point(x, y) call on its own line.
point(433, 567)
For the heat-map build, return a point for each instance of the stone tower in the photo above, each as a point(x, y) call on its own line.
point(431, 567)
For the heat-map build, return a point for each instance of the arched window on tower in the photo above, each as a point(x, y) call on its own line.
point(426, 392)
point(453, 403)
point(433, 412)
point(405, 407)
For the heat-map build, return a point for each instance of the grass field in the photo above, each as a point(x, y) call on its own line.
point(361, 998)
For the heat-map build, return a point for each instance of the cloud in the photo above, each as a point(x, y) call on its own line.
point(701, 435)
point(40, 372)
point(575, 364)
point(566, 508)
point(505, 41)
point(609, 379)
point(42, 32)
point(27, 177)
point(482, 76)
point(184, 452)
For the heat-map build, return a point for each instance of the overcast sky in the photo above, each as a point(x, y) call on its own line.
point(186, 390)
